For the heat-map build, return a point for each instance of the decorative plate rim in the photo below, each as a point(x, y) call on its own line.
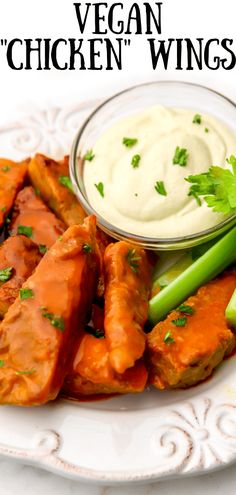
point(196, 436)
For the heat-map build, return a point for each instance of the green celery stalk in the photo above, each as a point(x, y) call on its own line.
point(208, 266)
point(181, 264)
point(173, 272)
point(230, 312)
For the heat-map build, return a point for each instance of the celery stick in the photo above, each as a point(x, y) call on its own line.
point(208, 266)
point(181, 264)
point(230, 312)
point(173, 272)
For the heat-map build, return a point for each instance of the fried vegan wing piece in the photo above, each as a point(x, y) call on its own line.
point(19, 257)
point(185, 348)
point(12, 176)
point(128, 283)
point(41, 224)
point(51, 179)
point(91, 373)
point(103, 240)
point(38, 332)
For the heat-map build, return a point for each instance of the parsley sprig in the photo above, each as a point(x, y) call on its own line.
point(197, 119)
point(56, 321)
point(186, 309)
point(6, 274)
point(160, 188)
point(217, 187)
point(168, 339)
point(100, 188)
point(180, 157)
point(135, 161)
point(133, 260)
point(89, 156)
point(66, 182)
point(25, 230)
point(129, 142)
point(26, 294)
point(180, 322)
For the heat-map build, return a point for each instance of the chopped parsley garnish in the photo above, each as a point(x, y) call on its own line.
point(6, 168)
point(87, 248)
point(26, 294)
point(186, 309)
point(197, 119)
point(168, 339)
point(100, 188)
point(135, 161)
point(24, 230)
point(129, 142)
point(89, 156)
point(3, 209)
point(180, 157)
point(99, 334)
point(206, 129)
point(133, 260)
point(180, 322)
point(42, 248)
point(195, 196)
point(37, 191)
point(2, 363)
point(26, 372)
point(60, 238)
point(160, 188)
point(6, 274)
point(65, 181)
point(56, 321)
point(217, 186)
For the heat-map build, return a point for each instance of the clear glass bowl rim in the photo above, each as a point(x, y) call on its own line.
point(116, 231)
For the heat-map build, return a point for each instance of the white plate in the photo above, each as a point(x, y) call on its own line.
point(125, 439)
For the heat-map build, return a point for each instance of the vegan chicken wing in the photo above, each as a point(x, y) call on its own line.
point(128, 282)
point(19, 257)
point(12, 176)
point(51, 178)
point(185, 348)
point(91, 372)
point(32, 218)
point(37, 334)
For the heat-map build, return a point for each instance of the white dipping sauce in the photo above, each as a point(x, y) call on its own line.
point(130, 200)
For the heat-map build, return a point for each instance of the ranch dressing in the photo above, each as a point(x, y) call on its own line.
point(128, 198)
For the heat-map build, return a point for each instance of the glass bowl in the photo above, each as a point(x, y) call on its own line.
point(134, 100)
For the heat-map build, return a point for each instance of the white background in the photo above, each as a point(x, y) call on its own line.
point(27, 91)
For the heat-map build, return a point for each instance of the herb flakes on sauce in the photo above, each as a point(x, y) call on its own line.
point(160, 188)
point(180, 157)
point(135, 161)
point(129, 142)
point(100, 188)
